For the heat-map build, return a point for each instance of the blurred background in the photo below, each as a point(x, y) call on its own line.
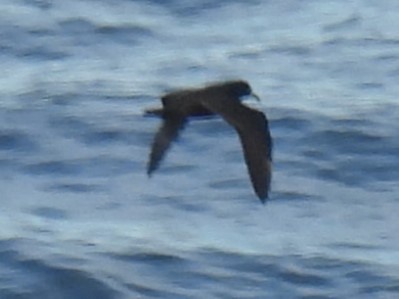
point(80, 218)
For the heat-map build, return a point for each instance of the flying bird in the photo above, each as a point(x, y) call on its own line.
point(223, 99)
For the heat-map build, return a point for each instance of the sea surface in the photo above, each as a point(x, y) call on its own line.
point(79, 218)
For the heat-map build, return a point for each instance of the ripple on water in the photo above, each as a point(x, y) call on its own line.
point(87, 32)
point(349, 141)
point(38, 279)
point(344, 150)
point(74, 187)
point(92, 133)
point(90, 167)
point(59, 168)
point(17, 141)
point(49, 213)
point(348, 156)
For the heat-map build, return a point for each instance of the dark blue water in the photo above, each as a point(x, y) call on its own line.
point(80, 218)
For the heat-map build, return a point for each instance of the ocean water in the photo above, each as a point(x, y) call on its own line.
point(80, 218)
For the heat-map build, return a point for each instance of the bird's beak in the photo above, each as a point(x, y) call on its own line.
point(255, 96)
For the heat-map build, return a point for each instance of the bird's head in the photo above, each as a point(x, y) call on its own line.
point(240, 88)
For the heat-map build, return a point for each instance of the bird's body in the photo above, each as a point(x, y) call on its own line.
point(223, 99)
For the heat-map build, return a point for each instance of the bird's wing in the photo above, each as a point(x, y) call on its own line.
point(169, 130)
point(257, 154)
point(253, 130)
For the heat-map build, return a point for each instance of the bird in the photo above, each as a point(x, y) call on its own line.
point(224, 99)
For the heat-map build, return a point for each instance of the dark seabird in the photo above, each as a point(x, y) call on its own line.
point(223, 99)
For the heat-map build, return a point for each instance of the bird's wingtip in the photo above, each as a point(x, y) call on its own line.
point(150, 171)
point(263, 199)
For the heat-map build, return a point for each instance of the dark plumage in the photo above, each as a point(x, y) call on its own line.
point(223, 99)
